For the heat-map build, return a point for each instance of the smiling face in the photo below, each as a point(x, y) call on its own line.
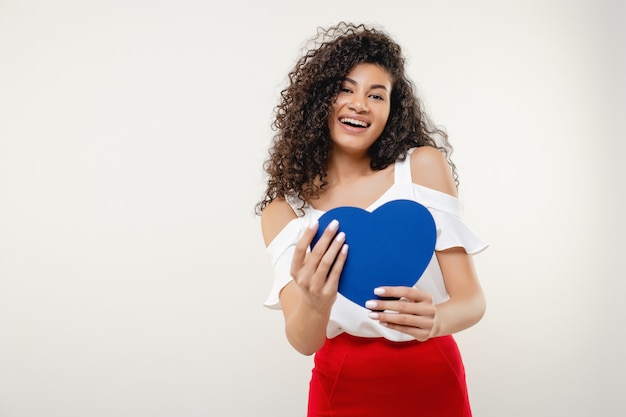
point(361, 109)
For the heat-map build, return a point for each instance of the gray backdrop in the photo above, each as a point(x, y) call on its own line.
point(132, 133)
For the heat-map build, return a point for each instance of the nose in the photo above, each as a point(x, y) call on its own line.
point(357, 105)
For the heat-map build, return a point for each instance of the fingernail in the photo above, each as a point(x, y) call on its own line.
point(334, 225)
point(373, 315)
point(313, 225)
point(340, 237)
point(344, 249)
point(371, 304)
point(379, 291)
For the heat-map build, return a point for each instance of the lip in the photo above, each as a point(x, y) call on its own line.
point(354, 117)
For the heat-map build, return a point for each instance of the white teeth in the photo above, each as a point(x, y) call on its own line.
point(353, 122)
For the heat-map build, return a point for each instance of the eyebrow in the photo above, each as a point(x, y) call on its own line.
point(373, 86)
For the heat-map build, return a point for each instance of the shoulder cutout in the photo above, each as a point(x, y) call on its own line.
point(275, 217)
point(430, 169)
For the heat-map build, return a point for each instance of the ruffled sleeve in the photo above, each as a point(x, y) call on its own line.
point(280, 251)
point(451, 230)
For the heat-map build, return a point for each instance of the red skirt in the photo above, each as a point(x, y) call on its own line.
point(363, 377)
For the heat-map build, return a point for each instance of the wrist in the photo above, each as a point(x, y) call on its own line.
point(434, 331)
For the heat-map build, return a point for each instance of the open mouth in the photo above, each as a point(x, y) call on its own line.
point(353, 122)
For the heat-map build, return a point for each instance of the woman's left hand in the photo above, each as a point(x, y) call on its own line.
point(411, 311)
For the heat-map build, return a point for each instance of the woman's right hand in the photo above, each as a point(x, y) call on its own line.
point(316, 272)
point(307, 299)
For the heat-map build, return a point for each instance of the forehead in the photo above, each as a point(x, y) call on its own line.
point(368, 73)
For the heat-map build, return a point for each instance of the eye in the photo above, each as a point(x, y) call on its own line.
point(377, 97)
point(345, 89)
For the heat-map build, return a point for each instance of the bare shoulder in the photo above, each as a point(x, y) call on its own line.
point(430, 169)
point(275, 217)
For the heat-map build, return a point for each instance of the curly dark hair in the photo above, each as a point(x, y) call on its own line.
point(299, 154)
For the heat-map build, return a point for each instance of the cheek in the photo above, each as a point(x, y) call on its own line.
point(334, 109)
point(385, 116)
point(338, 103)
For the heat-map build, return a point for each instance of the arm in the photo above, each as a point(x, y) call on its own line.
point(307, 300)
point(416, 314)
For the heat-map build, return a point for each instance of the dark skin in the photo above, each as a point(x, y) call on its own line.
point(307, 300)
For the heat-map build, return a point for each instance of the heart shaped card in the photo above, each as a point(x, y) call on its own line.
point(389, 246)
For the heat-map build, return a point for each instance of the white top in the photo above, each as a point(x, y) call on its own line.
point(347, 316)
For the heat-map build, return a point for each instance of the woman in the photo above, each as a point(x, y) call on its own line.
point(351, 132)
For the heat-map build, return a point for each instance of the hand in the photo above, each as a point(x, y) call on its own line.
point(317, 272)
point(411, 311)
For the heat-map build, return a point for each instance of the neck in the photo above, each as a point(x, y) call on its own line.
point(344, 167)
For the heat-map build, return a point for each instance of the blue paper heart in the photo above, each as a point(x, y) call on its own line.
point(390, 246)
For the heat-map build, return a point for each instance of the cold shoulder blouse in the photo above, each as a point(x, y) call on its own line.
point(347, 316)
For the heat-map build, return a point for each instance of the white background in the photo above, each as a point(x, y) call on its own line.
point(132, 134)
